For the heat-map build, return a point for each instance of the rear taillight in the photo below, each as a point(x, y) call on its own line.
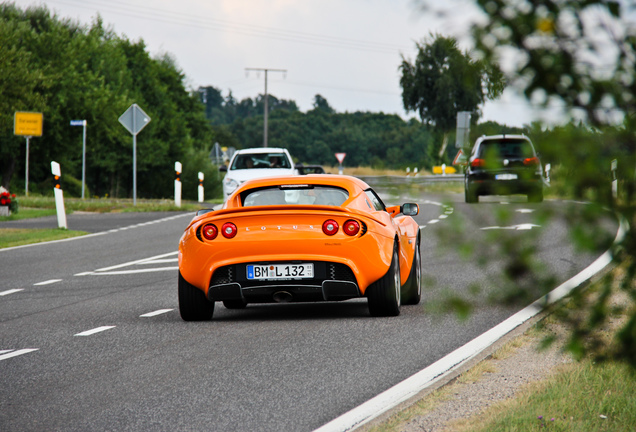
point(330, 227)
point(229, 230)
point(351, 227)
point(478, 163)
point(531, 161)
point(209, 232)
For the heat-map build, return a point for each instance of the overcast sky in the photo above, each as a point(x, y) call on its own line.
point(348, 51)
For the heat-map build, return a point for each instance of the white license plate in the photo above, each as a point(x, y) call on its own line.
point(506, 177)
point(280, 271)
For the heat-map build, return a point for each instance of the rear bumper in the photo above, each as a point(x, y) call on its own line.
point(490, 186)
point(331, 290)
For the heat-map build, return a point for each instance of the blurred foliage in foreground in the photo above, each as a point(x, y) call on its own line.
point(576, 59)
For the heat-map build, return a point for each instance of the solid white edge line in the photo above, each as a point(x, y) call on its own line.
point(17, 353)
point(95, 330)
point(411, 386)
point(88, 235)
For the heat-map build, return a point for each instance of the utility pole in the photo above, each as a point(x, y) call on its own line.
point(265, 101)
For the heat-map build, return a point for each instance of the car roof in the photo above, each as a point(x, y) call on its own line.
point(260, 150)
point(502, 137)
point(343, 181)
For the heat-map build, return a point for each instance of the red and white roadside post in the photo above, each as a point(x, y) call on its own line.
point(59, 195)
point(177, 184)
point(340, 157)
point(201, 187)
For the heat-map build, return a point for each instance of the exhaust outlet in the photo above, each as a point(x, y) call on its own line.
point(282, 297)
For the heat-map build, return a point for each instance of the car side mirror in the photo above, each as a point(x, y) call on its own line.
point(222, 168)
point(410, 209)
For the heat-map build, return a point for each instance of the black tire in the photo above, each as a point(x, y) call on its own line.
point(412, 289)
point(384, 295)
point(193, 305)
point(234, 304)
point(470, 195)
point(536, 196)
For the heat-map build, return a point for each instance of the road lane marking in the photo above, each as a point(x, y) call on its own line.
point(433, 221)
point(125, 272)
point(12, 353)
point(48, 282)
point(160, 261)
point(524, 210)
point(136, 262)
point(520, 227)
point(155, 313)
point(95, 330)
point(11, 291)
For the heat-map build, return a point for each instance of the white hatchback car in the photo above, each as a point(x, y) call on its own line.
point(247, 164)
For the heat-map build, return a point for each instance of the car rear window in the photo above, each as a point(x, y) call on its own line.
point(506, 148)
point(260, 160)
point(295, 195)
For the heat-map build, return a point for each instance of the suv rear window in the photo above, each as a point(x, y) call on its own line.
point(506, 148)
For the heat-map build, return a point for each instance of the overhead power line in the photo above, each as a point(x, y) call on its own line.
point(191, 20)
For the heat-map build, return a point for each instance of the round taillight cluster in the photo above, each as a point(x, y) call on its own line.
point(229, 230)
point(209, 231)
point(330, 227)
point(351, 227)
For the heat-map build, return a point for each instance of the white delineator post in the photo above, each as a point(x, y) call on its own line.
point(201, 192)
point(59, 195)
point(177, 184)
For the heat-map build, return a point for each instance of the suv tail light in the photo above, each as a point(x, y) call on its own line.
point(209, 231)
point(478, 163)
point(330, 227)
point(531, 161)
point(229, 230)
point(351, 227)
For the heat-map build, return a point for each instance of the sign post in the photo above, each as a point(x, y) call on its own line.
point(134, 120)
point(201, 187)
point(82, 123)
point(59, 195)
point(340, 157)
point(27, 124)
point(177, 184)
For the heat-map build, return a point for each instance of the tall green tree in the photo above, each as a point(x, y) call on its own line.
point(443, 80)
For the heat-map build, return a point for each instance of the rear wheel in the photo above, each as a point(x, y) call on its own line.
point(193, 305)
point(412, 290)
point(385, 294)
point(536, 196)
point(470, 194)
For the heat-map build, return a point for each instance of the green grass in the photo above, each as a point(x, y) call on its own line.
point(10, 237)
point(29, 213)
point(582, 397)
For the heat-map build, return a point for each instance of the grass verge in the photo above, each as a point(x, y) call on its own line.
point(10, 237)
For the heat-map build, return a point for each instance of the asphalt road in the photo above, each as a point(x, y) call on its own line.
point(91, 338)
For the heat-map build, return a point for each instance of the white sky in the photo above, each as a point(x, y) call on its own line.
point(348, 51)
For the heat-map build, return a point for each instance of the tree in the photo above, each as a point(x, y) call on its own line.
point(320, 103)
point(443, 81)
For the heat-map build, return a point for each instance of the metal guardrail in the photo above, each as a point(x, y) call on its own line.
point(419, 179)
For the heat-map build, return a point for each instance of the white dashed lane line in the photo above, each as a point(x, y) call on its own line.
point(6, 354)
point(11, 291)
point(48, 282)
point(155, 313)
point(95, 330)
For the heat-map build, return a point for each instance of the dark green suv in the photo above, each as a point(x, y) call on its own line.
point(503, 165)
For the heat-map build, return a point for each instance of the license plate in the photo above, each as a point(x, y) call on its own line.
point(506, 177)
point(280, 271)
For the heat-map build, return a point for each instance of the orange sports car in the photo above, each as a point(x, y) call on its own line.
point(306, 238)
